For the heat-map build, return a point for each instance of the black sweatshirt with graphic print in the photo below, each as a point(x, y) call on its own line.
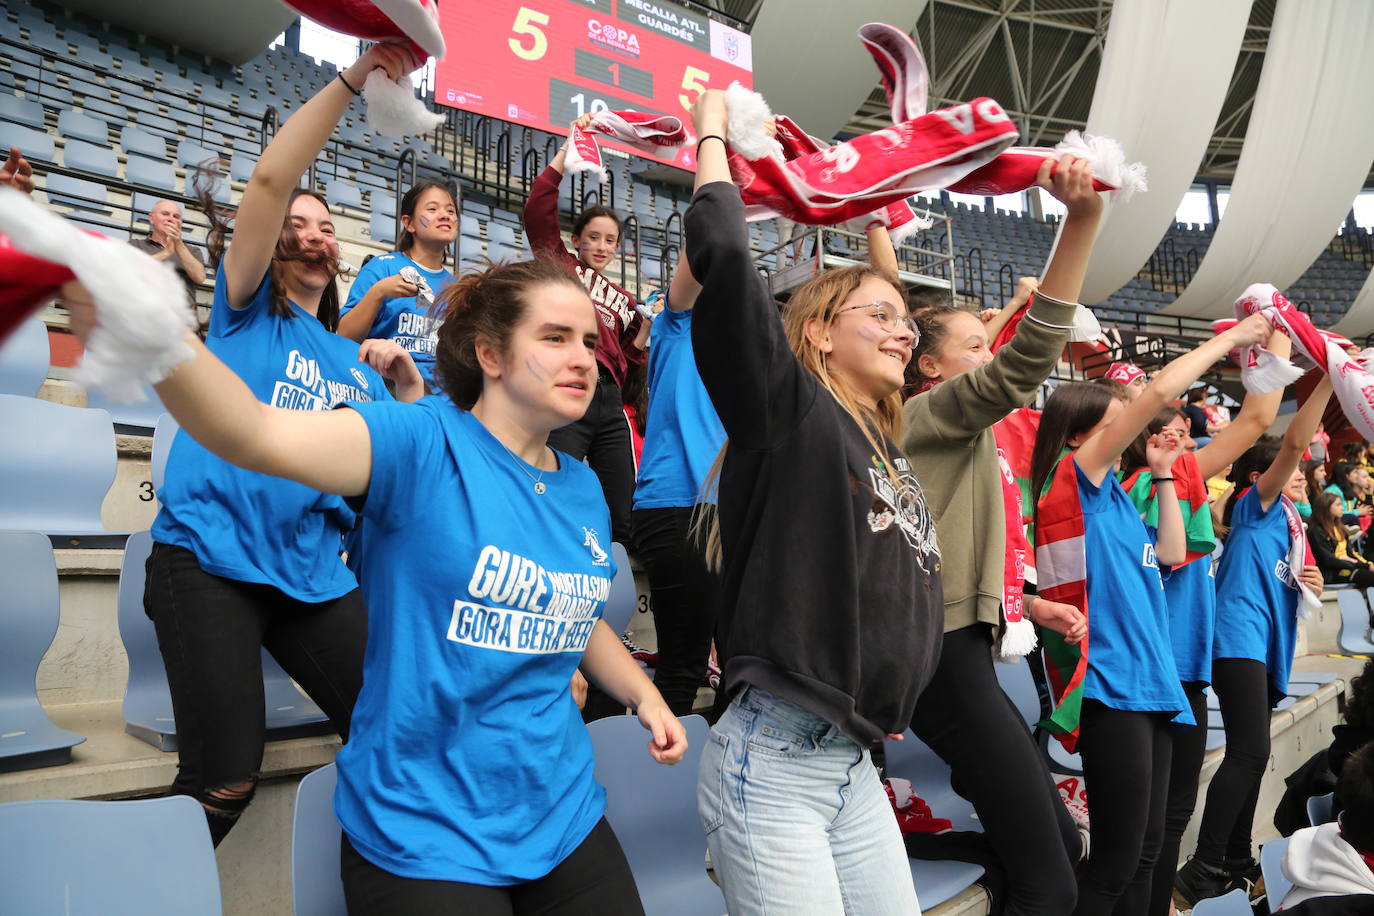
point(831, 587)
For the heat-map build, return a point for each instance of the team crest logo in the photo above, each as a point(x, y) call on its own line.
point(731, 47)
point(592, 543)
point(359, 378)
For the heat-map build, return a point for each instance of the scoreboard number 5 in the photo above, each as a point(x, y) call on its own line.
point(694, 79)
point(527, 23)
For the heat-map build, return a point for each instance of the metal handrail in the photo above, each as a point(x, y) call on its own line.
point(630, 228)
point(407, 155)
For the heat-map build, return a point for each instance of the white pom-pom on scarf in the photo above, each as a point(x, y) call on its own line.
point(143, 314)
point(747, 116)
point(392, 108)
point(1108, 161)
point(1018, 639)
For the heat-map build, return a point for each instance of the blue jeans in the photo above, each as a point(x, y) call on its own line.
point(796, 818)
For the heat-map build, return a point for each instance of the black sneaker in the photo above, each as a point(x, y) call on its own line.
point(1246, 875)
point(1199, 880)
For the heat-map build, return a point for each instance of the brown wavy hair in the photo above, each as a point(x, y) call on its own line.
point(485, 305)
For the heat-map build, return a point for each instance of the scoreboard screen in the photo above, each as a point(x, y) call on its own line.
point(544, 63)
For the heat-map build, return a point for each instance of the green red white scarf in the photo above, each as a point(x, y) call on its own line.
point(1192, 500)
point(1061, 566)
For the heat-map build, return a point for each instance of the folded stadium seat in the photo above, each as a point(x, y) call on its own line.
point(49, 42)
point(192, 155)
point(57, 474)
point(183, 111)
point(343, 194)
point(499, 252)
point(35, 145)
point(151, 856)
point(137, 103)
point(158, 124)
point(372, 179)
point(501, 233)
point(175, 82)
point(89, 157)
point(110, 232)
point(209, 92)
point(382, 227)
point(73, 124)
point(24, 359)
point(383, 203)
point(316, 889)
point(89, 196)
point(241, 166)
point(131, 69)
point(470, 226)
point(652, 809)
point(21, 111)
point(28, 623)
point(151, 173)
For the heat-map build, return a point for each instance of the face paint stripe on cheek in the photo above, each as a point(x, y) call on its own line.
point(536, 368)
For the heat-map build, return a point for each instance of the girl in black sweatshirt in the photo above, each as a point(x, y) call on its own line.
point(831, 612)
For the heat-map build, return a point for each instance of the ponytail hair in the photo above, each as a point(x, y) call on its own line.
point(1255, 460)
point(485, 306)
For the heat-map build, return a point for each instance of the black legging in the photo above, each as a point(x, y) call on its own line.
point(966, 718)
point(1190, 746)
point(1242, 687)
point(594, 880)
point(1126, 767)
point(602, 438)
point(211, 632)
point(685, 596)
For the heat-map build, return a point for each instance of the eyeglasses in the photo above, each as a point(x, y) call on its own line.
point(887, 317)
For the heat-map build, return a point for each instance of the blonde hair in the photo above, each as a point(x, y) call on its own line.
point(816, 302)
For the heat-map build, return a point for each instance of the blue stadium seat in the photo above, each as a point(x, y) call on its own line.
point(316, 889)
point(911, 759)
point(56, 474)
point(136, 101)
point(74, 124)
point(470, 226)
point(501, 234)
point(241, 166)
point(652, 809)
point(24, 359)
point(34, 144)
point(111, 232)
point(1276, 883)
point(1236, 903)
point(1354, 638)
point(130, 68)
point(343, 194)
point(150, 173)
point(135, 419)
point(1319, 808)
point(21, 111)
point(151, 857)
point(90, 196)
point(192, 155)
point(382, 227)
point(136, 140)
point(383, 203)
point(1018, 683)
point(28, 623)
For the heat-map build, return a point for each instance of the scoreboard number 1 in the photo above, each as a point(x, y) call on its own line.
point(527, 23)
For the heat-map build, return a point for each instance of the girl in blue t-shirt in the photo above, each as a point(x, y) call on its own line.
point(242, 561)
point(393, 295)
point(1190, 596)
point(1252, 648)
point(1130, 689)
point(467, 783)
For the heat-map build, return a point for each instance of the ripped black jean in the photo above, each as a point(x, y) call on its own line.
point(210, 631)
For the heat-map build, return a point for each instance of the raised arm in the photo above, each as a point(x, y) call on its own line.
point(1096, 456)
point(540, 215)
point(1171, 540)
point(683, 291)
point(882, 255)
point(330, 450)
point(994, 320)
point(1072, 184)
point(257, 227)
point(741, 350)
point(1257, 413)
point(1295, 440)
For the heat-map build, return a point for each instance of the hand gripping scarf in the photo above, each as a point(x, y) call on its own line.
point(141, 303)
point(1061, 567)
point(1261, 371)
point(392, 108)
point(648, 133)
point(1192, 500)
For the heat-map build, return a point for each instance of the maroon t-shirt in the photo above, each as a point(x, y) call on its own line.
point(615, 307)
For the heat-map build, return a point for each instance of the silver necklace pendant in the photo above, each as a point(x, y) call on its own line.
point(539, 487)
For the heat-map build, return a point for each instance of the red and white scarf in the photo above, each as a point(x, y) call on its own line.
point(1299, 555)
point(1125, 373)
point(649, 133)
point(1018, 634)
point(144, 313)
point(1261, 371)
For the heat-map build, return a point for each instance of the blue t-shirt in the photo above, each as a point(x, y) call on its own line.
point(468, 760)
point(403, 320)
point(1129, 664)
point(1257, 595)
point(683, 435)
point(253, 527)
point(1190, 592)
